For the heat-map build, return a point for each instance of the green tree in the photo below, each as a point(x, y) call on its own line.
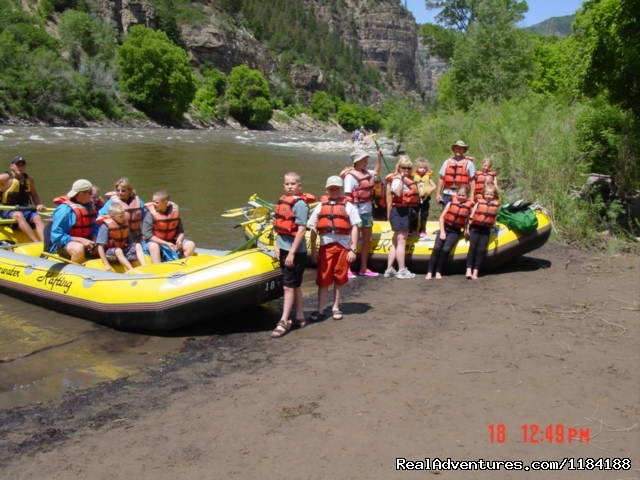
point(322, 105)
point(493, 60)
point(248, 97)
point(441, 41)
point(210, 93)
point(609, 30)
point(460, 14)
point(155, 74)
point(351, 116)
point(79, 33)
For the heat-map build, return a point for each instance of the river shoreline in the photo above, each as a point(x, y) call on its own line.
point(412, 371)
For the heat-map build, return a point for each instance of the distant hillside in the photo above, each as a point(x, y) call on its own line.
point(558, 26)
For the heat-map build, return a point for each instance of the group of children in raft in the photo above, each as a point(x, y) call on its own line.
point(342, 222)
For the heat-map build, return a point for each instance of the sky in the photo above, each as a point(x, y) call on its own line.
point(539, 10)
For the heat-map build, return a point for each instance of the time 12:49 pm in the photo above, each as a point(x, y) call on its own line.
point(535, 433)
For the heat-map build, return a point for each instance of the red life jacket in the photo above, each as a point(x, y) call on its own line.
point(134, 212)
point(333, 217)
point(165, 225)
point(410, 197)
point(485, 214)
point(363, 192)
point(85, 217)
point(285, 220)
point(458, 213)
point(482, 178)
point(456, 173)
point(118, 232)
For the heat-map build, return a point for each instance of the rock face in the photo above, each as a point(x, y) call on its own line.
point(429, 69)
point(124, 13)
point(225, 48)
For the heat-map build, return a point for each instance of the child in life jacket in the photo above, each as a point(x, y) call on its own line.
point(290, 225)
point(485, 176)
point(359, 186)
point(113, 240)
point(162, 230)
point(453, 222)
point(335, 222)
point(423, 176)
point(402, 199)
point(482, 219)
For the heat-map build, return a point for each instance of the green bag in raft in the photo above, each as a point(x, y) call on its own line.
point(521, 220)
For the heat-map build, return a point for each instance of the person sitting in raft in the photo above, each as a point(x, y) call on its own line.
point(481, 221)
point(456, 171)
point(113, 240)
point(485, 177)
point(19, 189)
point(359, 190)
point(402, 200)
point(73, 224)
point(453, 222)
point(125, 194)
point(162, 230)
point(423, 177)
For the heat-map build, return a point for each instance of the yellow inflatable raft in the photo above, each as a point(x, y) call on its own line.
point(156, 297)
point(504, 244)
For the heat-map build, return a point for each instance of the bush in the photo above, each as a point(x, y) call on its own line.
point(351, 116)
point(209, 96)
point(322, 106)
point(155, 74)
point(248, 97)
point(80, 34)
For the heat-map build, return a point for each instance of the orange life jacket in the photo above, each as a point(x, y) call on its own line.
point(485, 214)
point(363, 192)
point(456, 172)
point(85, 217)
point(410, 197)
point(333, 217)
point(482, 178)
point(134, 210)
point(118, 232)
point(165, 225)
point(458, 213)
point(285, 220)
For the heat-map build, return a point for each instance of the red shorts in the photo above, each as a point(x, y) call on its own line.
point(332, 265)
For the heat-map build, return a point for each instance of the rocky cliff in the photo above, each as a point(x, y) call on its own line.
point(384, 30)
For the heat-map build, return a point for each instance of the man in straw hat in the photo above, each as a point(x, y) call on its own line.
point(455, 171)
point(73, 226)
point(359, 185)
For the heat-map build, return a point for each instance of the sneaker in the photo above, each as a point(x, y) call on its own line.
point(351, 275)
point(423, 234)
point(368, 273)
point(404, 273)
point(390, 272)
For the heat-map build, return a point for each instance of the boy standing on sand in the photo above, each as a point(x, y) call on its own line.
point(291, 215)
point(336, 221)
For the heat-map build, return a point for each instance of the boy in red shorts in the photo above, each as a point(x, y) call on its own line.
point(336, 222)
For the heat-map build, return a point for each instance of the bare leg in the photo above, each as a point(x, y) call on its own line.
point(188, 248)
point(37, 222)
point(140, 255)
point(154, 251)
point(401, 246)
point(122, 259)
point(365, 241)
point(337, 295)
point(298, 301)
point(322, 297)
point(25, 227)
point(75, 250)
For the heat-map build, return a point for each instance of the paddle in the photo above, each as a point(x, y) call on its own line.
point(22, 208)
point(252, 239)
point(374, 137)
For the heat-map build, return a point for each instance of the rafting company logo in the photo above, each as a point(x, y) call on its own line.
point(55, 280)
point(9, 272)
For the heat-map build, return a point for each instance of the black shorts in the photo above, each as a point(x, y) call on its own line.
point(292, 277)
point(400, 218)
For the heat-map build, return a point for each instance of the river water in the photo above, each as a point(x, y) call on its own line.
point(44, 354)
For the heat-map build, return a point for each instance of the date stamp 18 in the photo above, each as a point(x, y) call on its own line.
point(534, 433)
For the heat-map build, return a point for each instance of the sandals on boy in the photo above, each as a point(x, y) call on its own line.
point(281, 329)
point(337, 314)
point(315, 316)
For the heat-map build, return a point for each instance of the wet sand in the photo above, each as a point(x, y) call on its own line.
point(416, 369)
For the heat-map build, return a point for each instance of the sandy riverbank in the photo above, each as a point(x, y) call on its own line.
point(416, 369)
